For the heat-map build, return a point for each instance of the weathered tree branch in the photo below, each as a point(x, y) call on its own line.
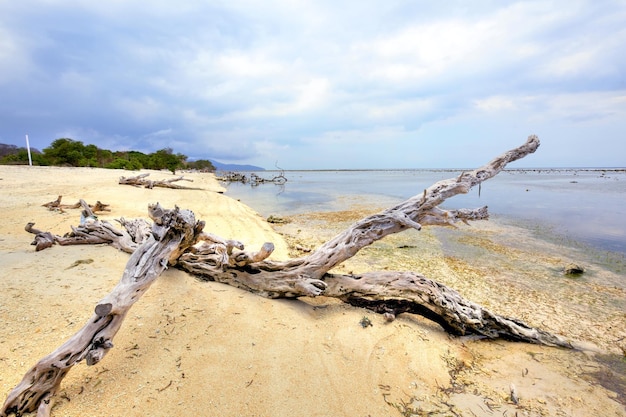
point(178, 240)
point(254, 179)
point(140, 181)
point(173, 232)
point(387, 292)
point(412, 213)
point(56, 205)
point(391, 293)
point(91, 231)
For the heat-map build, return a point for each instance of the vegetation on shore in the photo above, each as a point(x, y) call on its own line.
point(70, 152)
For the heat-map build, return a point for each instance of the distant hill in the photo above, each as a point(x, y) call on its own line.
point(234, 167)
point(6, 149)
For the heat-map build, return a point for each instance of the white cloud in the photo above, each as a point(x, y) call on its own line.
point(247, 65)
point(357, 137)
point(141, 108)
point(585, 106)
point(17, 64)
point(495, 103)
point(77, 82)
point(401, 109)
point(311, 94)
point(272, 77)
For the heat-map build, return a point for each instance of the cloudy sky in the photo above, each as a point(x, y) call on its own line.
point(321, 83)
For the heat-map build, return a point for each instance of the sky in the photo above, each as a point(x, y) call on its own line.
point(323, 84)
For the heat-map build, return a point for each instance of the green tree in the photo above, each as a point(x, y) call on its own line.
point(104, 156)
point(165, 159)
point(65, 151)
point(139, 158)
point(20, 157)
point(121, 163)
point(70, 152)
point(201, 165)
point(89, 156)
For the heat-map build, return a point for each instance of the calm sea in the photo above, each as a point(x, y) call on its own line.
point(585, 205)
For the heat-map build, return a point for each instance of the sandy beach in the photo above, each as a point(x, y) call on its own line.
point(206, 349)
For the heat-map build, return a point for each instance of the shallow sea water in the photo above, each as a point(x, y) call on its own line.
point(554, 216)
point(583, 205)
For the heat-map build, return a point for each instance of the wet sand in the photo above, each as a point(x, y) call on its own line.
point(198, 348)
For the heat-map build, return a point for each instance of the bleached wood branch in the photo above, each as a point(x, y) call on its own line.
point(173, 232)
point(177, 239)
point(141, 181)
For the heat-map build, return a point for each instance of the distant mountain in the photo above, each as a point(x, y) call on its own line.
point(234, 167)
point(6, 149)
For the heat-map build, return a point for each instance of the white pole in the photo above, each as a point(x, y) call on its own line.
point(30, 161)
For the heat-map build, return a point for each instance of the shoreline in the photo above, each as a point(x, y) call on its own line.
point(191, 347)
point(537, 169)
point(587, 207)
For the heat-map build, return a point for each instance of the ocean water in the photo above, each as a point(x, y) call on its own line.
point(585, 205)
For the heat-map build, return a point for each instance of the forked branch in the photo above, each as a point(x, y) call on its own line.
point(173, 232)
point(141, 181)
point(387, 292)
point(177, 239)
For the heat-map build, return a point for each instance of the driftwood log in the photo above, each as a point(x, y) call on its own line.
point(390, 293)
point(141, 181)
point(254, 179)
point(176, 238)
point(90, 231)
point(95, 208)
point(173, 231)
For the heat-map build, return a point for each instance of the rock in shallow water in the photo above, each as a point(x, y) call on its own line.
point(573, 269)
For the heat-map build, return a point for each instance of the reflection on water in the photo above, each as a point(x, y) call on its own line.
point(580, 204)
